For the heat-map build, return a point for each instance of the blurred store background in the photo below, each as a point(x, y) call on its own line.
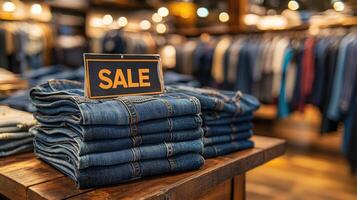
point(296, 56)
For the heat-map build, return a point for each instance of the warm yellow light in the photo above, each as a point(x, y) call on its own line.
point(251, 19)
point(202, 12)
point(107, 20)
point(293, 5)
point(339, 6)
point(145, 25)
point(36, 9)
point(8, 6)
point(161, 28)
point(223, 17)
point(163, 11)
point(96, 22)
point(272, 22)
point(156, 18)
point(122, 21)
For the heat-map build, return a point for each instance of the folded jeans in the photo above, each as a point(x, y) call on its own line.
point(226, 148)
point(99, 132)
point(227, 129)
point(65, 135)
point(57, 102)
point(207, 141)
point(163, 150)
point(114, 174)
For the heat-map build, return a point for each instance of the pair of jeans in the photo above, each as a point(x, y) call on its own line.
point(208, 141)
point(226, 148)
point(219, 100)
point(67, 106)
point(8, 145)
point(105, 132)
point(114, 174)
point(210, 116)
point(227, 129)
point(228, 120)
point(155, 151)
point(14, 135)
point(53, 137)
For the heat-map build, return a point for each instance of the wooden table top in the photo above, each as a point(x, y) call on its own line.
point(26, 177)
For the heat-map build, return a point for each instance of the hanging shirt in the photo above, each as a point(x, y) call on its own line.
point(333, 109)
point(350, 77)
point(218, 59)
point(233, 61)
point(308, 72)
point(283, 106)
point(277, 64)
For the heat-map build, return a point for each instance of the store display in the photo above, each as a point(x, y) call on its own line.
point(184, 95)
point(227, 119)
point(61, 106)
point(14, 135)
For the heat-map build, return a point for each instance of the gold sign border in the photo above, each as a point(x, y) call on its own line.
point(87, 82)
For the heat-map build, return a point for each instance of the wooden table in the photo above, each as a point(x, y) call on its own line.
point(26, 177)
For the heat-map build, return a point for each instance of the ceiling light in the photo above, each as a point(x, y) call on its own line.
point(293, 5)
point(161, 28)
point(8, 6)
point(36, 9)
point(122, 21)
point(163, 11)
point(223, 17)
point(156, 18)
point(145, 25)
point(339, 6)
point(107, 19)
point(202, 12)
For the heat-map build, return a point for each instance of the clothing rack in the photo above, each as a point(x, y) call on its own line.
point(194, 32)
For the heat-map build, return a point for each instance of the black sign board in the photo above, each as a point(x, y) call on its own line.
point(112, 75)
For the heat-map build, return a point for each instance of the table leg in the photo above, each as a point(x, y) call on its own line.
point(239, 187)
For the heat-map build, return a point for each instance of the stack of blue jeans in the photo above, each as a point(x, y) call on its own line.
point(14, 135)
point(104, 142)
point(227, 119)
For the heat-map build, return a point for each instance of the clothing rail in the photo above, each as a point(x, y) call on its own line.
point(193, 32)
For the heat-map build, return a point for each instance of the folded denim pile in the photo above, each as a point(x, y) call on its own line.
point(104, 142)
point(14, 135)
point(227, 119)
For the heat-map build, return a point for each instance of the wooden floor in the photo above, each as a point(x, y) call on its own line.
point(302, 175)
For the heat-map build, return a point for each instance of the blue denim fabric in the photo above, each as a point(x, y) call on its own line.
point(226, 148)
point(13, 144)
point(114, 174)
point(228, 120)
point(68, 106)
point(20, 149)
point(4, 136)
point(220, 100)
point(208, 141)
point(14, 135)
point(163, 150)
point(19, 100)
point(227, 129)
point(170, 125)
point(102, 132)
point(66, 136)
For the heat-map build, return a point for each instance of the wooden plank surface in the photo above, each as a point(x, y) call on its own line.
point(33, 179)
